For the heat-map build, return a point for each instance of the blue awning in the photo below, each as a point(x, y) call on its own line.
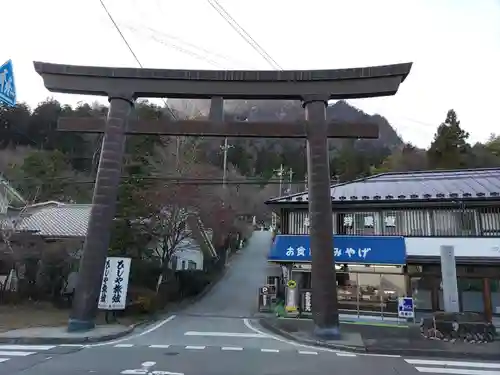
point(386, 250)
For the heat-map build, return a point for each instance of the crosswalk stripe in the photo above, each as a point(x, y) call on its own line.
point(306, 352)
point(269, 350)
point(231, 348)
point(456, 371)
point(15, 354)
point(124, 345)
point(346, 354)
point(194, 347)
point(26, 347)
point(159, 346)
point(432, 362)
point(4, 359)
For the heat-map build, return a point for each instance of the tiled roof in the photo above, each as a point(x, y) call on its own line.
point(67, 220)
point(414, 186)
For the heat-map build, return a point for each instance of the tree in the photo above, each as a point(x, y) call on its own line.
point(404, 159)
point(450, 149)
point(49, 176)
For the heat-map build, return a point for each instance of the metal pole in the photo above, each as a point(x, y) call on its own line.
point(224, 174)
point(325, 312)
point(290, 174)
point(177, 151)
point(280, 172)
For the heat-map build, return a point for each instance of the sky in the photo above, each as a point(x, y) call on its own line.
point(454, 45)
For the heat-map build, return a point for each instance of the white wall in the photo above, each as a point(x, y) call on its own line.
point(464, 247)
point(189, 254)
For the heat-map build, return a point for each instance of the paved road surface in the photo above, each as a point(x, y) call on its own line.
point(217, 336)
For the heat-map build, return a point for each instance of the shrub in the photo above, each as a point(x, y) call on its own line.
point(192, 282)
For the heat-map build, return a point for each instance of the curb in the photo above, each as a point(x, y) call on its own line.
point(113, 336)
point(67, 340)
point(435, 353)
point(318, 343)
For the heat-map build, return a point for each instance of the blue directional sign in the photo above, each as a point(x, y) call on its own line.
point(389, 250)
point(406, 307)
point(7, 85)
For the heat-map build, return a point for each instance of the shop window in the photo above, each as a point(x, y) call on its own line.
point(405, 223)
point(471, 294)
point(454, 223)
point(422, 292)
point(371, 292)
point(495, 295)
point(490, 223)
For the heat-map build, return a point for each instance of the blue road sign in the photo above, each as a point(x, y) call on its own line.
point(406, 307)
point(7, 85)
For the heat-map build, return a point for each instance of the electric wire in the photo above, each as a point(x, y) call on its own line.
point(243, 33)
point(167, 107)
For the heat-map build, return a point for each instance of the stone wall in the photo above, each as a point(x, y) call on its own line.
point(466, 327)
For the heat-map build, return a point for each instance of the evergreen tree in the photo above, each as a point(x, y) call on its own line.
point(450, 149)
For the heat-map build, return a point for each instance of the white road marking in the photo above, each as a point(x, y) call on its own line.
point(15, 354)
point(73, 345)
point(346, 354)
point(256, 330)
point(380, 355)
point(269, 350)
point(149, 330)
point(159, 346)
point(225, 334)
point(456, 371)
point(306, 352)
point(296, 344)
point(124, 345)
point(231, 348)
point(158, 372)
point(433, 362)
point(27, 347)
point(4, 359)
point(135, 372)
point(194, 347)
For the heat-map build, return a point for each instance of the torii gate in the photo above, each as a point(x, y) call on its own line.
point(124, 85)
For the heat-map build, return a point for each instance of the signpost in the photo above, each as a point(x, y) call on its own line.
point(114, 284)
point(7, 85)
point(267, 297)
point(406, 308)
point(291, 297)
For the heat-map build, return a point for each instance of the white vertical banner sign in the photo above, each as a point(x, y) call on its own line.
point(114, 284)
point(449, 279)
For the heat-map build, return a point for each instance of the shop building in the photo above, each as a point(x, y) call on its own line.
point(388, 232)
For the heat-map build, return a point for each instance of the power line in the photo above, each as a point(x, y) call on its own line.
point(131, 50)
point(243, 33)
point(179, 48)
point(173, 180)
point(183, 42)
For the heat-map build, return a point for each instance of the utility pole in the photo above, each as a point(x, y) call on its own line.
point(177, 152)
point(305, 182)
point(290, 175)
point(280, 172)
point(225, 148)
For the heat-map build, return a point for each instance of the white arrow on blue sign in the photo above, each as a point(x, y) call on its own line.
point(7, 85)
